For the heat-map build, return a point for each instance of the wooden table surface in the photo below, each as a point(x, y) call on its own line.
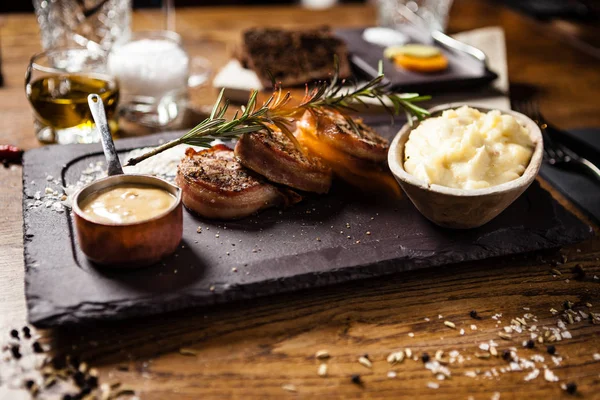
point(250, 350)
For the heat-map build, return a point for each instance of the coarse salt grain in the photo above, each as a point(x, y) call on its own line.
point(549, 376)
point(433, 385)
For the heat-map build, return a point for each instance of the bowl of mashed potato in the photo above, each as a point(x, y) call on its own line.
point(464, 165)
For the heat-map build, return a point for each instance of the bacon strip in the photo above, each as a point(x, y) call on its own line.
point(273, 155)
point(215, 185)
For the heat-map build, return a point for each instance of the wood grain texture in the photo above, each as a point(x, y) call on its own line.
point(250, 350)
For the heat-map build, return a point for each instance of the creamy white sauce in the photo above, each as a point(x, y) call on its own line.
point(468, 149)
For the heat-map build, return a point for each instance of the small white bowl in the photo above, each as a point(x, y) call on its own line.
point(463, 208)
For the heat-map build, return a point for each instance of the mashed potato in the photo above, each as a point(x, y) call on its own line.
point(468, 149)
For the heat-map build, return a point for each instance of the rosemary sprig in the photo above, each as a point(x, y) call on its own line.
point(273, 112)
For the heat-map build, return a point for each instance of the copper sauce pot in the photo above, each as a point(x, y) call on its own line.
point(125, 245)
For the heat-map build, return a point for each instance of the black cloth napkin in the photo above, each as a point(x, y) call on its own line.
point(578, 187)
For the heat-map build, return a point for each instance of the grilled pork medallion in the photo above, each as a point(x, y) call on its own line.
point(215, 185)
point(273, 155)
point(358, 158)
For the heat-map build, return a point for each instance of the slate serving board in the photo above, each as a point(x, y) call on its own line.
point(312, 244)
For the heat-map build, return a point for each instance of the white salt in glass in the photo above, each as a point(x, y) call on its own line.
point(152, 69)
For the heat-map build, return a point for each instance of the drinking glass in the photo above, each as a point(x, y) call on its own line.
point(88, 23)
point(57, 84)
point(154, 74)
point(433, 13)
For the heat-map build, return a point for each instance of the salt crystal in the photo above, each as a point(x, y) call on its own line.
point(549, 376)
point(473, 327)
point(391, 374)
point(596, 356)
point(433, 385)
point(566, 335)
point(484, 346)
point(532, 375)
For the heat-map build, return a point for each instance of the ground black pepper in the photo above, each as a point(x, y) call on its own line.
point(551, 349)
point(571, 388)
point(15, 333)
point(506, 355)
point(425, 357)
point(356, 379)
point(530, 344)
point(26, 332)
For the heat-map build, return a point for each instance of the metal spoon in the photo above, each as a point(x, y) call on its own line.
point(112, 158)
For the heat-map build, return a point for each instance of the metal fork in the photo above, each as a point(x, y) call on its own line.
point(555, 153)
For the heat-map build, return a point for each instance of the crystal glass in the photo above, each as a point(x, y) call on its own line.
point(57, 84)
point(433, 13)
point(89, 23)
point(154, 73)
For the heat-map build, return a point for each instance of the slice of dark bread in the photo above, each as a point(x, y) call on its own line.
point(293, 57)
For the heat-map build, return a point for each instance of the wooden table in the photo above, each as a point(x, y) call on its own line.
point(250, 350)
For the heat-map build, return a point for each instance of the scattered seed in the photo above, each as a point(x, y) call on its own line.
point(396, 357)
point(567, 305)
point(185, 351)
point(482, 355)
point(322, 370)
point(288, 387)
point(408, 352)
point(450, 324)
point(391, 374)
point(322, 354)
point(365, 362)
point(493, 351)
point(555, 271)
point(504, 335)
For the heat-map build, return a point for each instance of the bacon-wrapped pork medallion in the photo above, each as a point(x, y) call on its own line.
point(215, 185)
point(273, 155)
point(357, 157)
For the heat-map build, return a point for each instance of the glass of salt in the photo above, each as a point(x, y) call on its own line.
point(153, 71)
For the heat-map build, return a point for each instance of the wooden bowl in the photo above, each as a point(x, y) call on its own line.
point(134, 244)
point(463, 208)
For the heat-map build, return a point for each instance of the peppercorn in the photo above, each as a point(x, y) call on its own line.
point(506, 355)
point(474, 314)
point(551, 349)
point(15, 351)
point(571, 388)
point(356, 379)
point(425, 358)
point(15, 333)
point(579, 271)
point(29, 384)
point(27, 332)
point(37, 347)
point(530, 344)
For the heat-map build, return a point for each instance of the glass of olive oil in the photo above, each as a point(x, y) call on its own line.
point(57, 84)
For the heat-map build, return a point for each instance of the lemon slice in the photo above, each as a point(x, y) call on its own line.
point(412, 50)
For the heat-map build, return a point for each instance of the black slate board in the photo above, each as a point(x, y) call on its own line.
point(274, 252)
point(463, 72)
